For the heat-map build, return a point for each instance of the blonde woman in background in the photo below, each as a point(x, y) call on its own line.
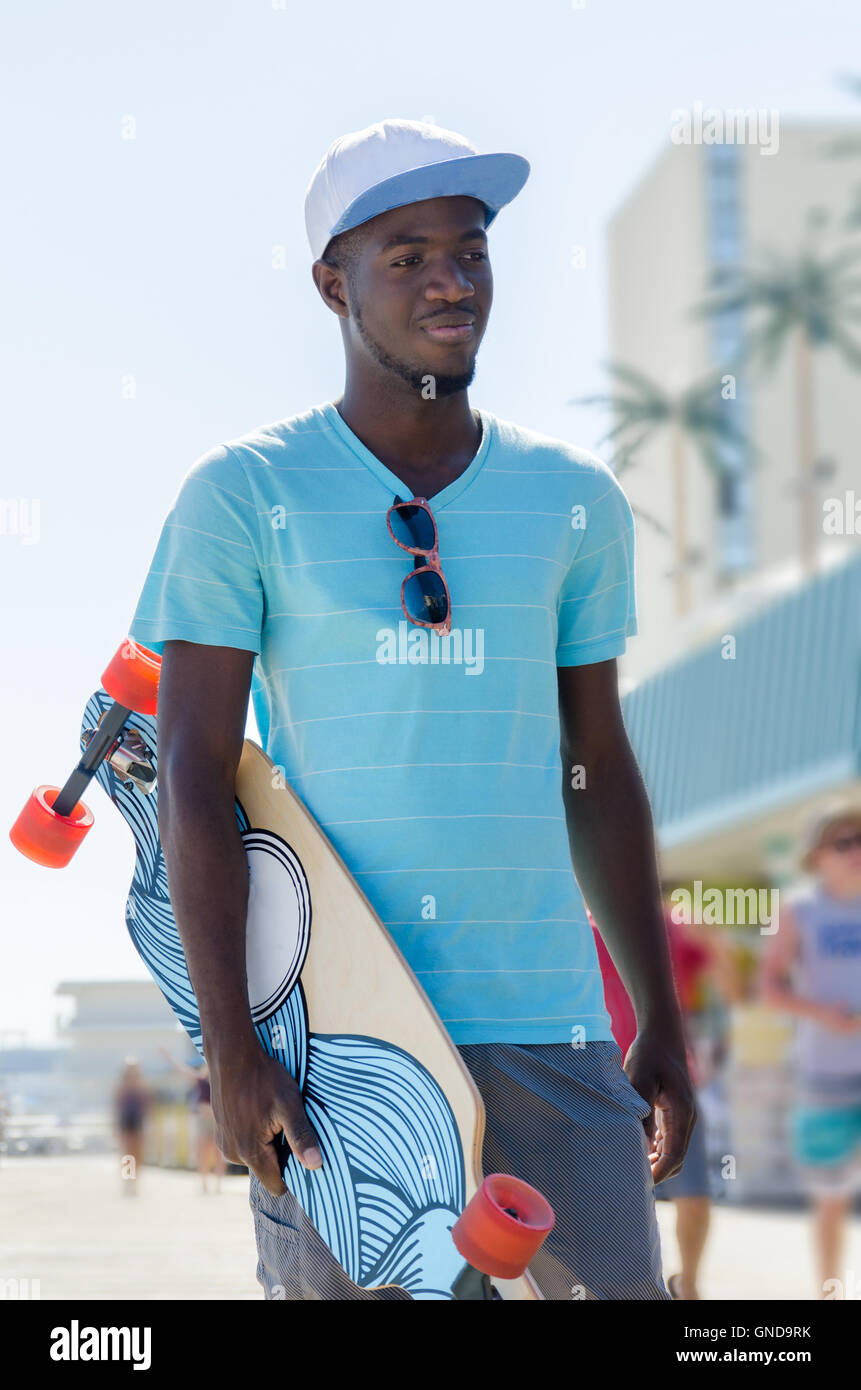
point(812, 969)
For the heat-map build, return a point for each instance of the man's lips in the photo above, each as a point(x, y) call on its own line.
point(449, 330)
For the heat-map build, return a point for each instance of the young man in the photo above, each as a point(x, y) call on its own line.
point(812, 969)
point(421, 719)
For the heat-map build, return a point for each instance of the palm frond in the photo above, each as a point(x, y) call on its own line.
point(651, 521)
point(634, 377)
point(626, 456)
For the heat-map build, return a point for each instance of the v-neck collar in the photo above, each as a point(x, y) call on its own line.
point(391, 482)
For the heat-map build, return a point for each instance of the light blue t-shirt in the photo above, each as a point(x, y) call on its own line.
point(432, 764)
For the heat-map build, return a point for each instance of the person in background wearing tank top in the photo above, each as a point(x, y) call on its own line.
point(210, 1159)
point(812, 969)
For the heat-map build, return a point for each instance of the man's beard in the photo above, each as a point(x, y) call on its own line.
point(417, 377)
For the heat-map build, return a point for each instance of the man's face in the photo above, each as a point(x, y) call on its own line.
point(420, 292)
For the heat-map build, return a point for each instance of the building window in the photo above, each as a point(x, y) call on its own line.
point(725, 251)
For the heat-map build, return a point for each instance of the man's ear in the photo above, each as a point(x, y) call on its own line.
point(331, 286)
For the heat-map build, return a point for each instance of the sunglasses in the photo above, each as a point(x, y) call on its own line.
point(425, 596)
point(844, 843)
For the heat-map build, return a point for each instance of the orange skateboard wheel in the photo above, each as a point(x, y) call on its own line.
point(131, 677)
point(46, 837)
point(501, 1229)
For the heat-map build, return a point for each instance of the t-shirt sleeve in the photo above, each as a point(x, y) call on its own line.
point(204, 583)
point(596, 608)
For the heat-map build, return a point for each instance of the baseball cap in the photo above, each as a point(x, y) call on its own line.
point(836, 814)
point(396, 162)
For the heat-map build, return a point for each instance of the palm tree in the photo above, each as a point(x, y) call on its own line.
point(809, 299)
point(697, 416)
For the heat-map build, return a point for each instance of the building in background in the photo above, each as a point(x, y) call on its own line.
point(115, 1019)
point(713, 208)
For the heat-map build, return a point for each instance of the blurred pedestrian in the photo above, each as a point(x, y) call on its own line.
point(209, 1157)
point(132, 1100)
point(812, 969)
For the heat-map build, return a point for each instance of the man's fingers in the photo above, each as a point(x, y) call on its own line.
point(650, 1125)
point(299, 1132)
point(265, 1165)
point(665, 1167)
point(672, 1142)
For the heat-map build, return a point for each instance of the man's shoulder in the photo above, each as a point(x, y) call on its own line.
point(545, 454)
point(268, 443)
point(273, 445)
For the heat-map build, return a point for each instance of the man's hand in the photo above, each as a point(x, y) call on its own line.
point(657, 1068)
point(253, 1100)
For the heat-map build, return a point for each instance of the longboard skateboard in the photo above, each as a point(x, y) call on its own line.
point(400, 1200)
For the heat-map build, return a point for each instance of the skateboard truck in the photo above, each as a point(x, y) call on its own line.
point(128, 755)
point(54, 820)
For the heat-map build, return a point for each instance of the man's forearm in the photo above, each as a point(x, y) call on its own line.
point(613, 853)
point(207, 871)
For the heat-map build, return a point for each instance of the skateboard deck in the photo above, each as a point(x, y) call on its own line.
point(398, 1115)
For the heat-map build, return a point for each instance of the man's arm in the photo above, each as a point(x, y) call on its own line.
point(613, 853)
point(202, 707)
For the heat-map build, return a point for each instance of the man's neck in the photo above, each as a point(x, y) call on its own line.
point(415, 438)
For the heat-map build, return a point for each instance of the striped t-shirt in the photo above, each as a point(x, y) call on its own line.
point(432, 763)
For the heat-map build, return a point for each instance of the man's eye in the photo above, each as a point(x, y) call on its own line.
point(405, 260)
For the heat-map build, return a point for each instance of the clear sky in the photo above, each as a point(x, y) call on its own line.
point(146, 265)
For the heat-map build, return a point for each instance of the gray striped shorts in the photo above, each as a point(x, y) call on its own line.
point(566, 1120)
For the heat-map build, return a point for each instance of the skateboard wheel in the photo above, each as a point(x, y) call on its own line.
point(501, 1229)
point(131, 677)
point(46, 837)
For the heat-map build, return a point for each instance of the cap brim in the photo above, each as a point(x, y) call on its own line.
point(494, 179)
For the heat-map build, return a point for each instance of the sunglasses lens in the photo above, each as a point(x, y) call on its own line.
point(413, 526)
point(425, 598)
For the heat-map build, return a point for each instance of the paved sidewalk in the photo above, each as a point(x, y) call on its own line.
point(754, 1255)
point(65, 1222)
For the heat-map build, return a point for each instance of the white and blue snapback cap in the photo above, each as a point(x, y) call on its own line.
point(396, 162)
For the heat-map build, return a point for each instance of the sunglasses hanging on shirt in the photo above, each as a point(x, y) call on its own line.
point(425, 596)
